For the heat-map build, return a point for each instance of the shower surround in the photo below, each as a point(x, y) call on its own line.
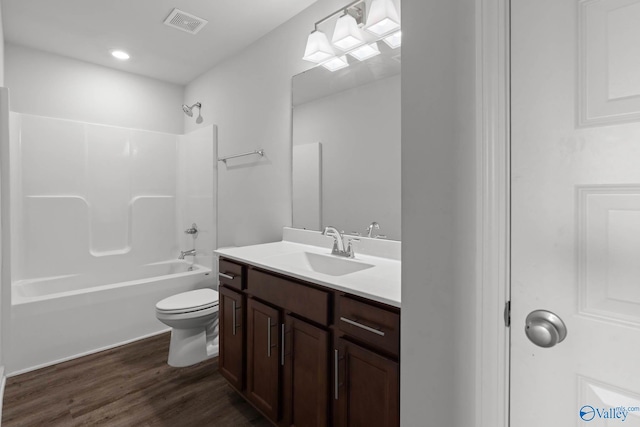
point(97, 220)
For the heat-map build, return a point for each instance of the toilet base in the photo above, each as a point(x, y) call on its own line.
point(187, 347)
point(190, 346)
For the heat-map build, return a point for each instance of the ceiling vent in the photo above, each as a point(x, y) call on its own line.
point(185, 21)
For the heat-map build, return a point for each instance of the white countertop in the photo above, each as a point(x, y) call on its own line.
point(379, 283)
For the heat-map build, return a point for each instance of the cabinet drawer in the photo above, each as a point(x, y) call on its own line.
point(231, 274)
point(301, 299)
point(369, 323)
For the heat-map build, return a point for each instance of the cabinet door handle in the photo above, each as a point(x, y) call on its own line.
point(226, 276)
point(268, 336)
point(335, 373)
point(360, 325)
point(233, 319)
point(282, 348)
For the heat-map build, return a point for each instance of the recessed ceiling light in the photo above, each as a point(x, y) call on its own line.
point(120, 54)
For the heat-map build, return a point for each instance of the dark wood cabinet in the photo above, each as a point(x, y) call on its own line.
point(367, 392)
point(263, 358)
point(231, 332)
point(306, 374)
point(306, 355)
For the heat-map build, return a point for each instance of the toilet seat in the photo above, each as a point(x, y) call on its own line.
point(188, 302)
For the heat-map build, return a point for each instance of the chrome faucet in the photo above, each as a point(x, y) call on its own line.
point(338, 243)
point(371, 227)
point(191, 252)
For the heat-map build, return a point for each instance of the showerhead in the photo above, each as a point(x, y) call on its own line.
point(189, 110)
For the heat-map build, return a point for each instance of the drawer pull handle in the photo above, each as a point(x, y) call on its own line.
point(335, 374)
point(233, 326)
point(269, 337)
point(360, 325)
point(282, 349)
point(226, 276)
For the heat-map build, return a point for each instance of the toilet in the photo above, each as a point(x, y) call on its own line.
point(193, 317)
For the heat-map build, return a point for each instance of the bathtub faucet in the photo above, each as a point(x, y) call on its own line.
point(191, 252)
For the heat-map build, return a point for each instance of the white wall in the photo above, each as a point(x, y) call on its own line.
point(5, 113)
point(1, 50)
point(50, 85)
point(438, 213)
point(249, 98)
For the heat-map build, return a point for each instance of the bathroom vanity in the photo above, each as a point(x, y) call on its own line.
point(307, 343)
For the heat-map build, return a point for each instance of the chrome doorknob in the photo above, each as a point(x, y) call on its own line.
point(544, 328)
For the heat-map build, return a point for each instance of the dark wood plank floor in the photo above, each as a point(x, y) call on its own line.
point(131, 385)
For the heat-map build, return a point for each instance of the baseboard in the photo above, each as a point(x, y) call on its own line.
point(86, 353)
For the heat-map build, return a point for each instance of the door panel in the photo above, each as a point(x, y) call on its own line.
point(263, 357)
point(575, 224)
point(231, 329)
point(306, 374)
point(367, 389)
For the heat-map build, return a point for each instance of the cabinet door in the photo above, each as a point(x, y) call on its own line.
point(306, 374)
point(231, 332)
point(366, 387)
point(263, 357)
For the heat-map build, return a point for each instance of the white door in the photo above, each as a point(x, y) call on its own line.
point(575, 159)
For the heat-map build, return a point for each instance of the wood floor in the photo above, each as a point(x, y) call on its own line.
point(127, 386)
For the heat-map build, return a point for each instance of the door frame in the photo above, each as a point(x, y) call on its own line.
point(493, 211)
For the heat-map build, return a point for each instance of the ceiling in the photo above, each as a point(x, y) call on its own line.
point(88, 29)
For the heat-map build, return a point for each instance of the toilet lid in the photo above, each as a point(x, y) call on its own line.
point(189, 301)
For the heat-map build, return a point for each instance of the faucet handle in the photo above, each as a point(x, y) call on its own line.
point(351, 253)
point(193, 230)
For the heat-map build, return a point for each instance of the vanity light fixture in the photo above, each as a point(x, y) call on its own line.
point(347, 35)
point(383, 18)
point(318, 48)
point(336, 63)
point(393, 40)
point(365, 52)
point(383, 22)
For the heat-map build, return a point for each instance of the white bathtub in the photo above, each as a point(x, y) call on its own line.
point(59, 318)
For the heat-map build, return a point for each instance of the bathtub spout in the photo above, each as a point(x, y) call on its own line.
point(183, 254)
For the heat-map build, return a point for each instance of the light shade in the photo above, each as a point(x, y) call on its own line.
point(365, 52)
point(393, 40)
point(336, 63)
point(347, 35)
point(318, 48)
point(383, 18)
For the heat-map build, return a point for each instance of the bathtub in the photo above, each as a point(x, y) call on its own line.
point(59, 318)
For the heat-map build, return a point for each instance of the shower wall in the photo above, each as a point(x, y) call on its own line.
point(90, 198)
point(196, 193)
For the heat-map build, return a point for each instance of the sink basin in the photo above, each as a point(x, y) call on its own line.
point(319, 263)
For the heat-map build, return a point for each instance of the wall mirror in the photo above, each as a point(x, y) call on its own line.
point(346, 146)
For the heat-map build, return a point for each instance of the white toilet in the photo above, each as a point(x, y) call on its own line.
point(193, 317)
